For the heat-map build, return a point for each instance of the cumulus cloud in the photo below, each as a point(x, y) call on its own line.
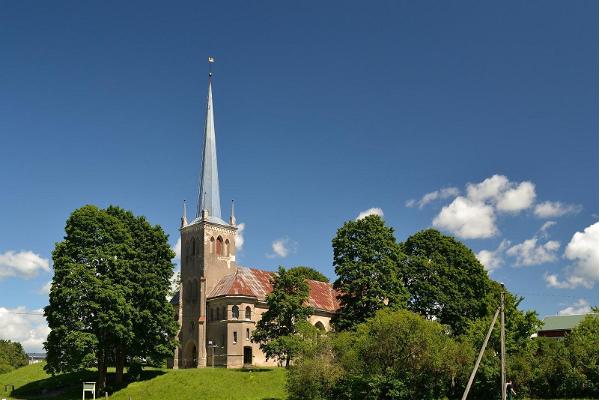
point(24, 264)
point(177, 249)
point(544, 229)
point(46, 288)
point(370, 211)
point(474, 216)
point(493, 259)
point(282, 248)
point(239, 236)
point(28, 327)
point(427, 198)
point(583, 252)
point(529, 252)
point(551, 209)
point(467, 218)
point(581, 306)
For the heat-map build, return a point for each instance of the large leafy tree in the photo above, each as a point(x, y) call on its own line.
point(309, 273)
point(445, 280)
point(12, 356)
point(366, 258)
point(108, 294)
point(277, 330)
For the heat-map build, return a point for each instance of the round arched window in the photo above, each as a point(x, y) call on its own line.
point(235, 312)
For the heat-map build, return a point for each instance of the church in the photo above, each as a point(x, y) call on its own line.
point(219, 302)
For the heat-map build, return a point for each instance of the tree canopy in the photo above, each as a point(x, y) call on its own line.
point(309, 273)
point(278, 327)
point(12, 356)
point(445, 280)
point(108, 295)
point(366, 258)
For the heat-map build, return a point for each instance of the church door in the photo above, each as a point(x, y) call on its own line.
point(247, 355)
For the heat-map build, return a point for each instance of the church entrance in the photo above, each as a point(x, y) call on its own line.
point(247, 355)
point(190, 356)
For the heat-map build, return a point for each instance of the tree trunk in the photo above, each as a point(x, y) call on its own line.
point(119, 365)
point(101, 383)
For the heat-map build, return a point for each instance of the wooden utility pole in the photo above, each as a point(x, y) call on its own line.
point(502, 348)
point(487, 338)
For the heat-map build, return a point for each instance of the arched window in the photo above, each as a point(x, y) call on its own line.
point(248, 314)
point(227, 247)
point(235, 312)
point(219, 246)
point(212, 245)
point(319, 325)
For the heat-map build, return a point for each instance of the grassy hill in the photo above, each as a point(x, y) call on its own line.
point(32, 382)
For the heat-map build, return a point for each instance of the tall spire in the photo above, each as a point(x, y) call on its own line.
point(208, 196)
point(184, 220)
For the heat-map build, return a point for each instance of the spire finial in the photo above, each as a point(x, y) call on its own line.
point(211, 60)
point(232, 216)
point(184, 221)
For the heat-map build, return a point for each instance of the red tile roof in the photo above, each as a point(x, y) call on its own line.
point(256, 283)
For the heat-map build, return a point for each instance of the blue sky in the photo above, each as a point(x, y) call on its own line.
point(322, 111)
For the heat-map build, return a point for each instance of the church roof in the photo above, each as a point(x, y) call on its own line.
point(256, 283)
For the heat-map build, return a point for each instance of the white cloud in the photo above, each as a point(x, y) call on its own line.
point(239, 236)
point(474, 216)
point(544, 229)
point(25, 264)
point(550, 209)
point(492, 259)
point(581, 306)
point(443, 193)
point(582, 250)
point(370, 211)
point(177, 249)
point(46, 288)
point(282, 248)
point(467, 219)
point(19, 325)
point(518, 198)
point(529, 252)
point(489, 189)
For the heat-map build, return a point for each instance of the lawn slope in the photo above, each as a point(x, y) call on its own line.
point(32, 383)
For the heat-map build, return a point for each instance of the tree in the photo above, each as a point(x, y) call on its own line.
point(277, 330)
point(309, 273)
point(366, 258)
point(108, 297)
point(445, 280)
point(12, 356)
point(393, 355)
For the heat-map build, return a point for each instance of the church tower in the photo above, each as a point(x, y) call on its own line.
point(207, 250)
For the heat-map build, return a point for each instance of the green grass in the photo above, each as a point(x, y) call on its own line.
point(32, 382)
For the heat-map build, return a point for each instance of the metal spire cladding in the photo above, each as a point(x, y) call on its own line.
point(208, 195)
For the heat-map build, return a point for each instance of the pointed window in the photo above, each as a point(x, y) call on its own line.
point(235, 312)
point(219, 246)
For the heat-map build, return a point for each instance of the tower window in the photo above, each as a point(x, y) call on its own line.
point(219, 246)
point(212, 245)
point(248, 314)
point(227, 247)
point(234, 337)
point(247, 333)
point(235, 312)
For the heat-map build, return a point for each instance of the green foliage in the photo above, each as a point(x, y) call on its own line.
point(31, 382)
point(12, 356)
point(309, 273)
point(277, 331)
point(394, 355)
point(108, 295)
point(366, 259)
point(445, 280)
